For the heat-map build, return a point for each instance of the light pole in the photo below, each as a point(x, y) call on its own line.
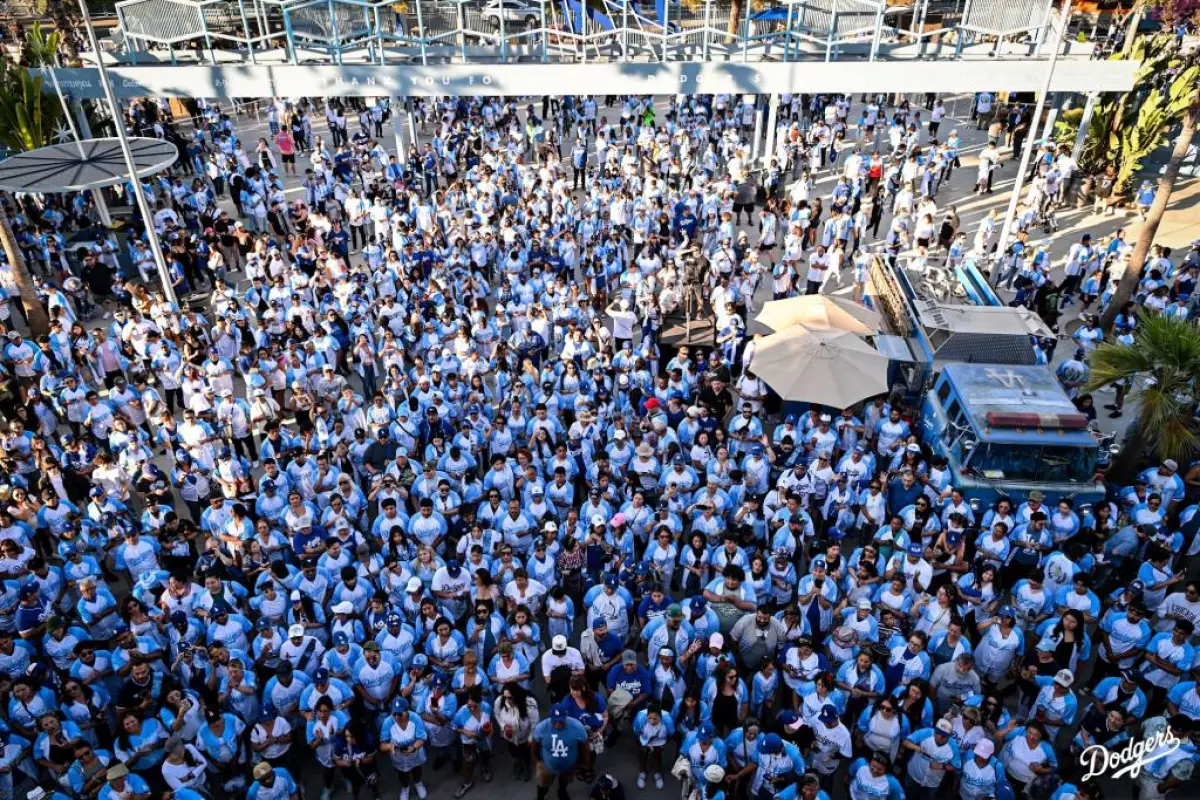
point(1030, 140)
point(130, 166)
point(97, 193)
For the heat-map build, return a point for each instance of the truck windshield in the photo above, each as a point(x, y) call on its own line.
point(1032, 463)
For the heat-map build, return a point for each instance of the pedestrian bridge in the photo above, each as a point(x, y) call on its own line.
point(254, 48)
point(576, 31)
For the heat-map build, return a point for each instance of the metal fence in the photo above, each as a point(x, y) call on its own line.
point(458, 31)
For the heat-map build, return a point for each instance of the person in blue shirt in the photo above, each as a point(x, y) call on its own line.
point(272, 783)
point(123, 784)
point(632, 678)
point(559, 744)
point(872, 779)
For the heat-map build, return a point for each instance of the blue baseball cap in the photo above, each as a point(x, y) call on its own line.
point(321, 675)
point(770, 744)
point(557, 712)
point(916, 550)
point(828, 714)
point(399, 705)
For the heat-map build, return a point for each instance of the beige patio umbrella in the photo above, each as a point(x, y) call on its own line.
point(819, 312)
point(831, 367)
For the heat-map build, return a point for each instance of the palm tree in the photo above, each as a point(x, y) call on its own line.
point(1162, 195)
point(736, 9)
point(1164, 359)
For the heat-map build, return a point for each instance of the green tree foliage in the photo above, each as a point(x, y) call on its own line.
point(28, 114)
point(1125, 128)
point(1161, 365)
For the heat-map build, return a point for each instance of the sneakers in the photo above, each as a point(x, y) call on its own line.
point(641, 781)
point(404, 794)
point(420, 787)
point(658, 780)
point(486, 773)
point(1115, 415)
point(463, 788)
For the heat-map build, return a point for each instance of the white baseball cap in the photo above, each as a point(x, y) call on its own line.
point(295, 631)
point(558, 644)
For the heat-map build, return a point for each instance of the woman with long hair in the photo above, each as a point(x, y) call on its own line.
point(354, 750)
point(87, 707)
point(726, 699)
point(881, 727)
point(516, 715)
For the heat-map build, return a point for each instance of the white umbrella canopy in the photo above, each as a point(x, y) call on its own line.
point(819, 312)
point(829, 367)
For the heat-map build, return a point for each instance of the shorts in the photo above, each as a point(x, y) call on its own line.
point(287, 159)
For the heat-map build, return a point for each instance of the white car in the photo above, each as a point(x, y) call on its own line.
point(516, 14)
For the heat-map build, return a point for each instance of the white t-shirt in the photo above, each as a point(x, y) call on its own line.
point(623, 322)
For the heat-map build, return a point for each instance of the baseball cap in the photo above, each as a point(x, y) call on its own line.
point(828, 714)
point(557, 712)
point(1064, 678)
point(558, 644)
point(944, 726)
point(984, 748)
point(629, 657)
point(771, 743)
point(295, 631)
point(321, 675)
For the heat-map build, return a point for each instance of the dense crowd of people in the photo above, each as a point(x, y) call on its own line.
point(418, 485)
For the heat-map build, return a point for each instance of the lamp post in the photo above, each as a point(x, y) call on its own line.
point(119, 124)
point(1011, 214)
point(97, 194)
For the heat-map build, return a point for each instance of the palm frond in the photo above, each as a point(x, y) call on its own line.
point(1164, 362)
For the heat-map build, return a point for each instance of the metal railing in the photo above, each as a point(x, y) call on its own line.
point(575, 31)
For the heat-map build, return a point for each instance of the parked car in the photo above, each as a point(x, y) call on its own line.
point(515, 13)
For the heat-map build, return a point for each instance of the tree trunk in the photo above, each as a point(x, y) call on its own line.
point(1131, 30)
point(736, 12)
point(1166, 183)
point(39, 323)
point(1124, 466)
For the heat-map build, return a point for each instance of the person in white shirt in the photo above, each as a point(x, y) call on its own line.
point(623, 321)
point(831, 742)
point(818, 263)
point(560, 655)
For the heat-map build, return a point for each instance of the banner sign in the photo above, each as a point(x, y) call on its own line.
point(1026, 75)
